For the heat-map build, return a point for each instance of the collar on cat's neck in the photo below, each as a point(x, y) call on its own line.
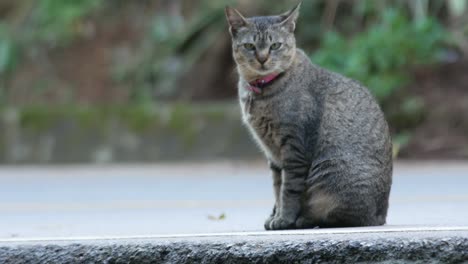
point(257, 85)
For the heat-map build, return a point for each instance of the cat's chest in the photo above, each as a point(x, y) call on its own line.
point(264, 125)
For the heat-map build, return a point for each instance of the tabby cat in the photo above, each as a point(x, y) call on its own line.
point(325, 137)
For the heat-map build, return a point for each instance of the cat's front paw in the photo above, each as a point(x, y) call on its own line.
point(281, 223)
point(268, 222)
point(270, 218)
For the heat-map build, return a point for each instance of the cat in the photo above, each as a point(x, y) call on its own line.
point(324, 135)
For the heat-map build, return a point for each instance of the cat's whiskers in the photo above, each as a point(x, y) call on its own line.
point(250, 73)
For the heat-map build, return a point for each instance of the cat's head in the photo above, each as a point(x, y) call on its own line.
point(262, 45)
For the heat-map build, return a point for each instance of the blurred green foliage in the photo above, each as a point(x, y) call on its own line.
point(57, 21)
point(7, 51)
point(173, 46)
point(375, 42)
point(8, 59)
point(38, 23)
point(381, 55)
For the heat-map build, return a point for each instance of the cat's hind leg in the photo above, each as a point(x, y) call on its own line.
point(338, 196)
point(317, 206)
point(306, 223)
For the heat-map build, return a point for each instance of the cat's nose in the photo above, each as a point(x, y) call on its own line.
point(262, 60)
point(262, 55)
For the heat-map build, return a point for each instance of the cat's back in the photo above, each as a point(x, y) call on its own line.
point(352, 124)
point(344, 105)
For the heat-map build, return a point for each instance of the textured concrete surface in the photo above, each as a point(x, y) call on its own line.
point(311, 246)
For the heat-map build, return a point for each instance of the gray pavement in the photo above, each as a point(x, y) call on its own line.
point(146, 200)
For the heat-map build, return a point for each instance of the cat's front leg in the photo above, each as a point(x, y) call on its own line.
point(276, 173)
point(292, 188)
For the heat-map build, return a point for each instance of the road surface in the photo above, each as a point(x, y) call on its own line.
point(145, 200)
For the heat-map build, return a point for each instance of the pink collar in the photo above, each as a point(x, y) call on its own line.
point(257, 85)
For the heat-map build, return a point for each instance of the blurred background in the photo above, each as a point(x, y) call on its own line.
point(105, 81)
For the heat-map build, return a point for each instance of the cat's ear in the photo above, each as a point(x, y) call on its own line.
point(235, 20)
point(289, 19)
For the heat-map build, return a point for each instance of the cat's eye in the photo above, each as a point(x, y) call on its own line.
point(275, 46)
point(249, 46)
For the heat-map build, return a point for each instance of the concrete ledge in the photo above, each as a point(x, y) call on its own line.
point(133, 133)
point(375, 245)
